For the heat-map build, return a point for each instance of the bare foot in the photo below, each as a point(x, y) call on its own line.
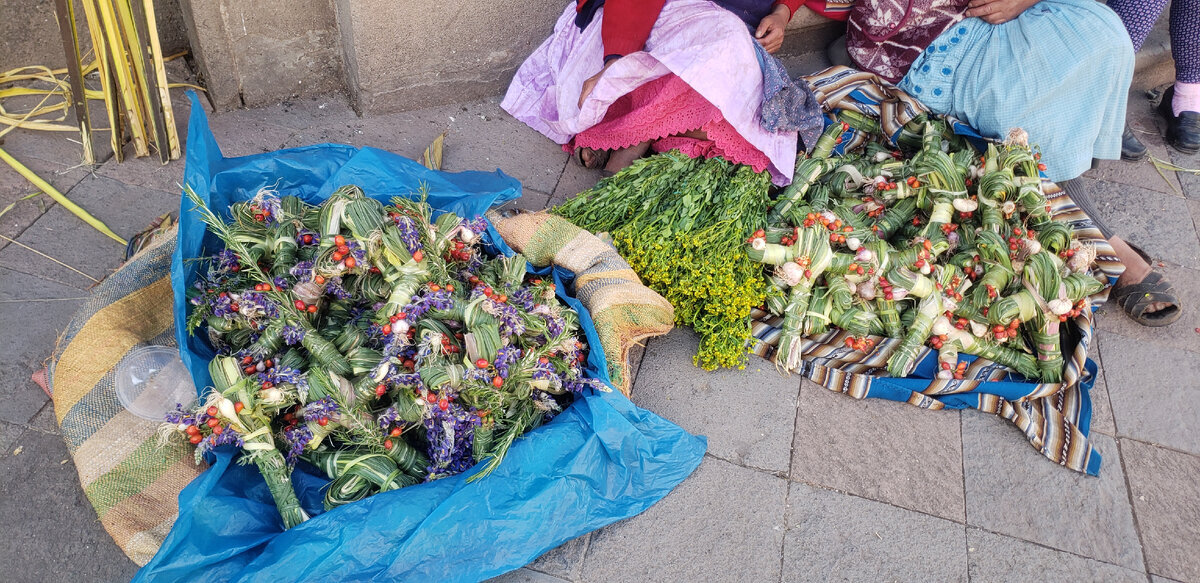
point(620, 159)
point(1136, 269)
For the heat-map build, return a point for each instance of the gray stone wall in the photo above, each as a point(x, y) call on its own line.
point(29, 32)
point(254, 52)
point(418, 53)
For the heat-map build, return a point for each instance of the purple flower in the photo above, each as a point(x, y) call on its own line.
point(227, 437)
point(478, 225)
point(451, 435)
point(181, 416)
point(511, 322)
point(522, 297)
point(221, 306)
point(226, 260)
point(334, 288)
point(322, 408)
point(410, 233)
point(387, 418)
point(292, 335)
point(284, 376)
point(280, 283)
point(505, 357)
point(302, 270)
point(297, 438)
point(260, 303)
point(407, 380)
point(433, 300)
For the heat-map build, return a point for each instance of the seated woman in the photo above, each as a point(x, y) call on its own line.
point(619, 77)
point(1059, 69)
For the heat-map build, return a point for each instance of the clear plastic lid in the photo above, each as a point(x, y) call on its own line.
point(152, 380)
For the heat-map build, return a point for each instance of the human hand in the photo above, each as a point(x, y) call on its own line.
point(770, 30)
point(590, 83)
point(998, 11)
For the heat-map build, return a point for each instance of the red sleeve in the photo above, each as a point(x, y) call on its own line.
point(627, 25)
point(792, 5)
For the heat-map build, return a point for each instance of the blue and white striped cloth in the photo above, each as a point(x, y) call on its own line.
point(1060, 71)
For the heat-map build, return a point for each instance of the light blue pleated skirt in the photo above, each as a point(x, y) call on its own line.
point(1060, 71)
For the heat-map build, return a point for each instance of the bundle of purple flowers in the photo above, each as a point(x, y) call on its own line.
point(376, 343)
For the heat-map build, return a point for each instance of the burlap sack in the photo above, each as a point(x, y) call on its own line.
point(132, 482)
point(624, 311)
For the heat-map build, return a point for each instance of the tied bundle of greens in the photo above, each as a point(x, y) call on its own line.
point(375, 342)
point(681, 224)
point(934, 246)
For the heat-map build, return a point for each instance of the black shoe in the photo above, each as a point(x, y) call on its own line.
point(1183, 131)
point(1132, 149)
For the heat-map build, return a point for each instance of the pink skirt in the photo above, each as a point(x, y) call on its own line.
point(659, 112)
point(698, 71)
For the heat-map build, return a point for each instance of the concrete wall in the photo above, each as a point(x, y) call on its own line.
point(420, 53)
point(254, 52)
point(29, 32)
point(387, 55)
point(416, 53)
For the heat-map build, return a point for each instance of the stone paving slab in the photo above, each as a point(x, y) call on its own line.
point(565, 561)
point(525, 576)
point(1154, 392)
point(1102, 416)
point(35, 310)
point(61, 235)
point(59, 537)
point(1161, 224)
point(126, 209)
point(1144, 121)
point(1189, 181)
point(724, 522)
point(836, 537)
point(574, 180)
point(993, 557)
point(881, 450)
point(1180, 335)
point(1165, 488)
point(748, 415)
point(1012, 490)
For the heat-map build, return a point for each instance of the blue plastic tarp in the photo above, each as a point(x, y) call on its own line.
point(601, 460)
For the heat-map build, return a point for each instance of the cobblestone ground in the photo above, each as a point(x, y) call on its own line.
point(799, 484)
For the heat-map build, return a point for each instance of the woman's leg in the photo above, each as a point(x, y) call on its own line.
point(1136, 267)
point(1139, 17)
point(1185, 48)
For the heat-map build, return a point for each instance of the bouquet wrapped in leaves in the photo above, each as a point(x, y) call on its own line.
point(376, 342)
point(938, 246)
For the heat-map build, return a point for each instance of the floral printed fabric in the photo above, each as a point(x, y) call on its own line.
point(886, 36)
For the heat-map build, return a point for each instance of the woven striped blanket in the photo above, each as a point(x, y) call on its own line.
point(1054, 416)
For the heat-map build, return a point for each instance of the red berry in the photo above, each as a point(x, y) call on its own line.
point(323, 421)
point(211, 410)
point(195, 439)
point(387, 329)
point(212, 422)
point(238, 406)
point(387, 443)
point(218, 430)
point(192, 430)
point(395, 432)
point(418, 255)
point(380, 390)
point(431, 397)
point(497, 381)
point(339, 240)
point(312, 309)
point(350, 263)
point(443, 404)
point(299, 305)
point(482, 363)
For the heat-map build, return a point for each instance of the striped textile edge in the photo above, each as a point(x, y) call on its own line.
point(132, 482)
point(624, 311)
